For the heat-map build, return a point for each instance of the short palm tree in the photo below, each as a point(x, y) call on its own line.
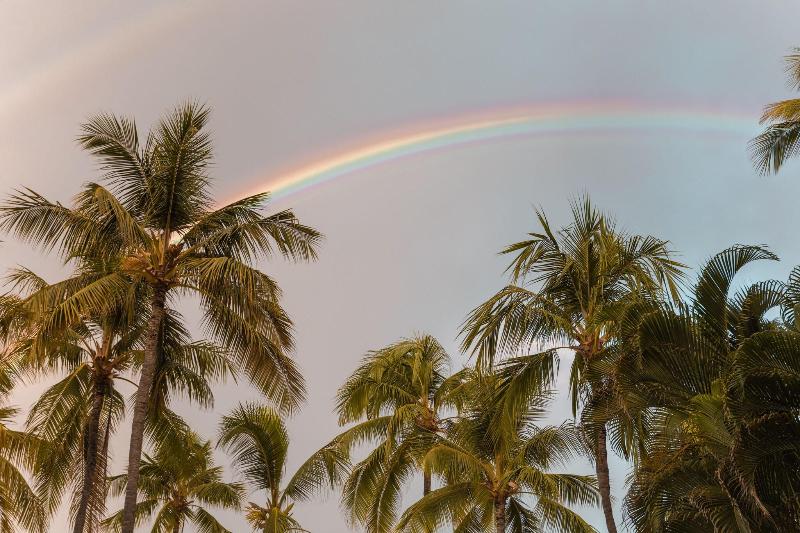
point(79, 413)
point(178, 486)
point(781, 139)
point(258, 442)
point(495, 462)
point(399, 398)
point(82, 411)
point(568, 289)
point(722, 378)
point(157, 215)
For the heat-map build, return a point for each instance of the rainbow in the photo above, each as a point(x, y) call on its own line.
point(549, 120)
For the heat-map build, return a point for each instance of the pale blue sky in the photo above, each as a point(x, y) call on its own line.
point(411, 245)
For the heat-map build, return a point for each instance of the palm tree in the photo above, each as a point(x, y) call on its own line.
point(79, 413)
point(781, 139)
point(496, 465)
point(568, 289)
point(722, 380)
point(258, 441)
point(178, 484)
point(157, 215)
point(398, 398)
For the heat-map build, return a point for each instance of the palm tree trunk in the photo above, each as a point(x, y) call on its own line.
point(601, 464)
point(426, 481)
point(499, 514)
point(91, 437)
point(157, 305)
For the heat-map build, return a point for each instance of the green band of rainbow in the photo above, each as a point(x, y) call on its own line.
point(528, 122)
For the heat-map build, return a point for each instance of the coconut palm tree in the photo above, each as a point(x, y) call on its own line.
point(781, 139)
point(722, 378)
point(178, 485)
point(79, 413)
point(495, 462)
point(157, 214)
point(258, 442)
point(82, 411)
point(399, 399)
point(567, 291)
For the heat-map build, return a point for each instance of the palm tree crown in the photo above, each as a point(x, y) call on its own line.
point(781, 139)
point(495, 462)
point(178, 485)
point(722, 379)
point(398, 399)
point(568, 289)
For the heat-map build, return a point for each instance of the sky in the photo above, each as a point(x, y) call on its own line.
point(649, 108)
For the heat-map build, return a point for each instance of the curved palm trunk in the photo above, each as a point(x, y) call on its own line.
point(92, 436)
point(604, 484)
point(499, 514)
point(157, 311)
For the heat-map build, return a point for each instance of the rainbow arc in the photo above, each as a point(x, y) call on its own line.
point(549, 120)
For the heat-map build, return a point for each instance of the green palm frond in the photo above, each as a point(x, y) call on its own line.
point(50, 225)
point(258, 442)
point(721, 384)
point(397, 400)
point(326, 467)
point(779, 141)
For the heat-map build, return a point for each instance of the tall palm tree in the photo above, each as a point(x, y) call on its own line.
point(178, 485)
point(157, 214)
point(781, 139)
point(399, 398)
point(496, 464)
point(567, 291)
point(722, 378)
point(258, 441)
point(79, 412)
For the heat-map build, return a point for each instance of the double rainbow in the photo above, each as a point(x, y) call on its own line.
point(550, 120)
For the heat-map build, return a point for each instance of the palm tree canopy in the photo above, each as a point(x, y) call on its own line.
point(156, 219)
point(781, 139)
point(497, 459)
point(178, 486)
point(20, 507)
point(721, 376)
point(397, 400)
point(568, 286)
